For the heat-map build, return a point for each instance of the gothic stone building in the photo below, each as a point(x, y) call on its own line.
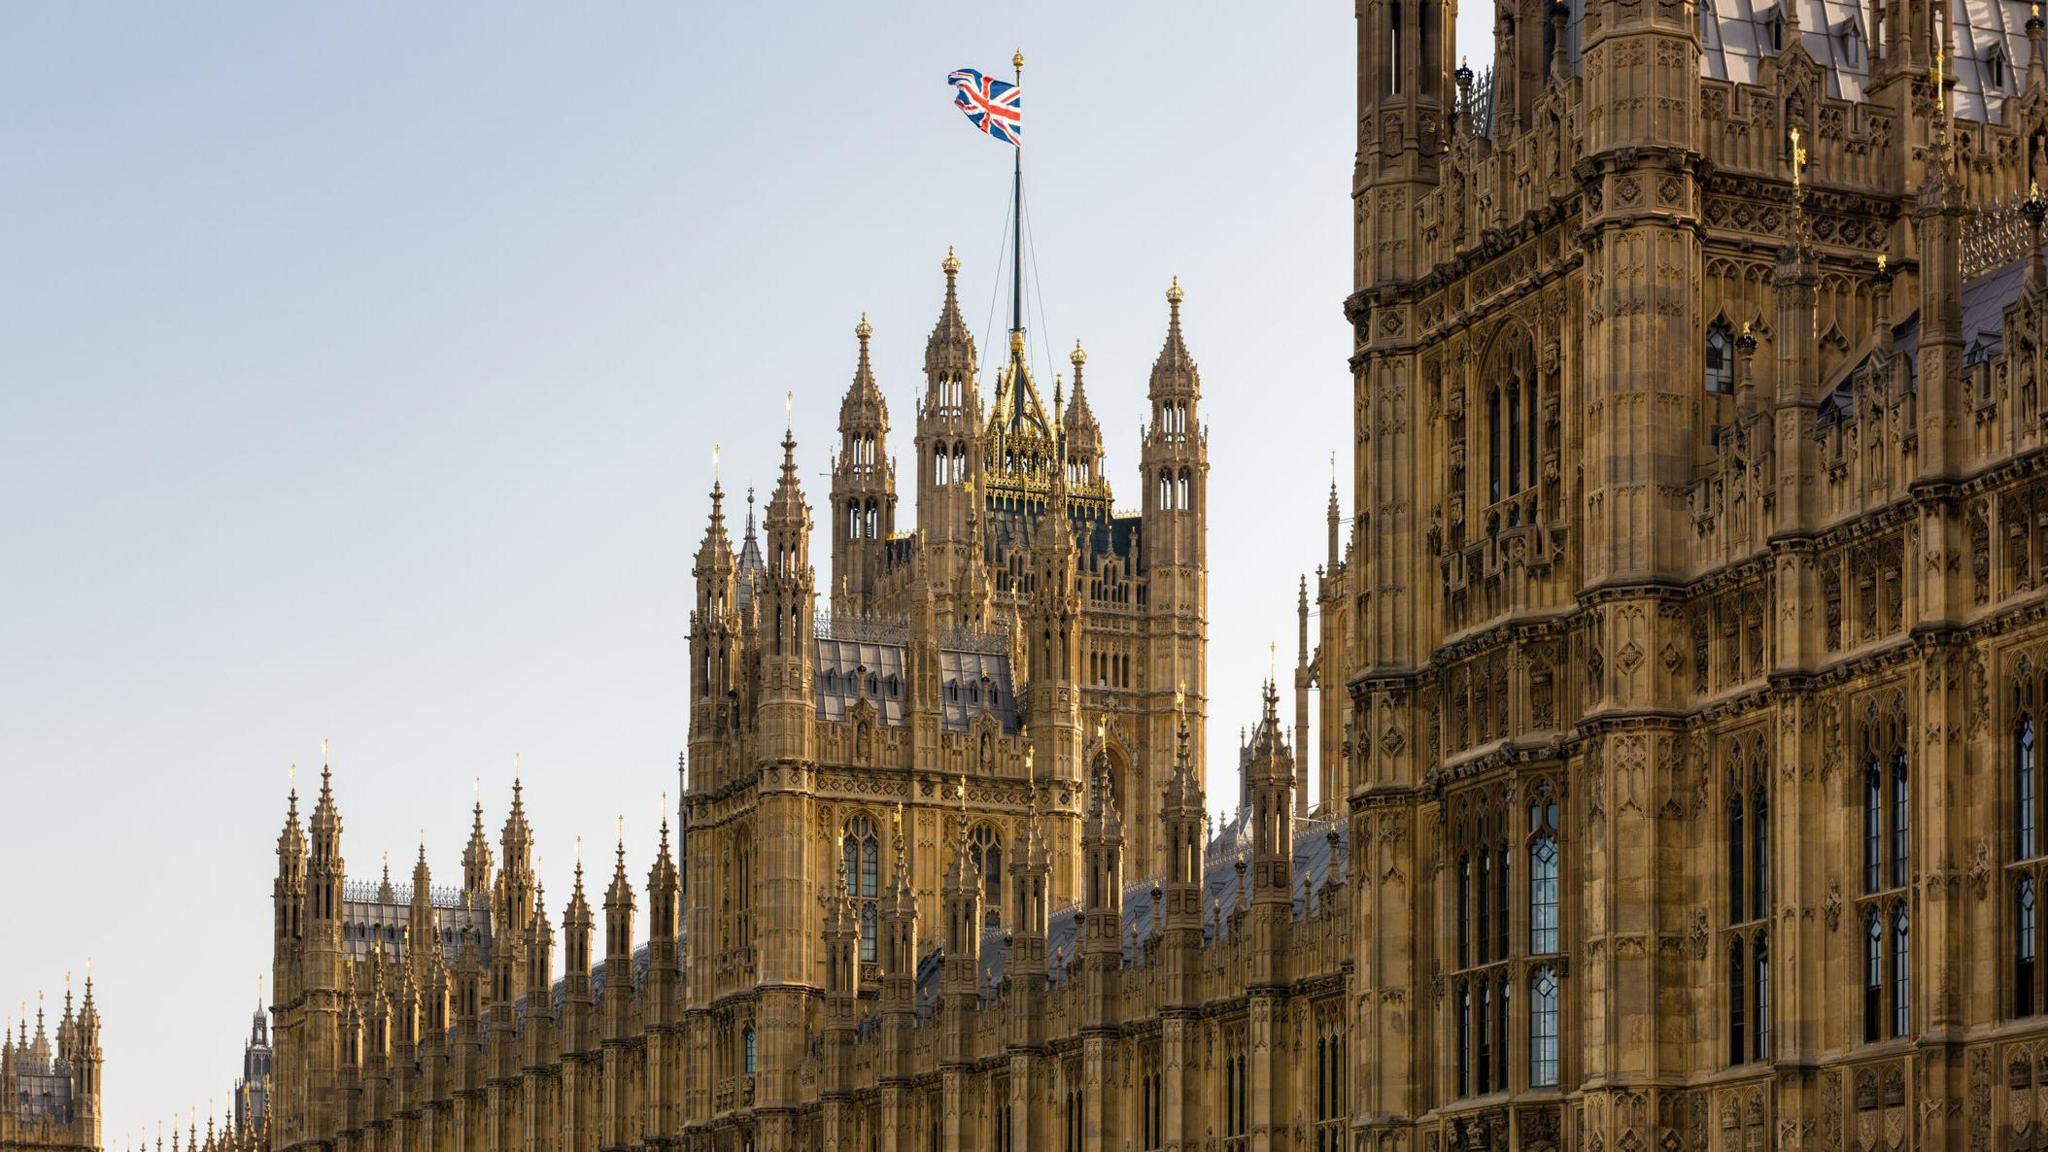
point(50, 1092)
point(1686, 654)
point(943, 878)
point(1681, 670)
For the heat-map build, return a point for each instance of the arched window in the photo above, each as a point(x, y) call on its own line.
point(1873, 976)
point(1513, 430)
point(1485, 887)
point(1501, 905)
point(1760, 852)
point(986, 850)
point(1902, 818)
point(1500, 1033)
point(862, 860)
point(1720, 360)
point(748, 1042)
point(2025, 925)
point(2025, 831)
point(1543, 928)
point(1514, 434)
point(1464, 1039)
point(1760, 1047)
point(1464, 908)
point(1493, 453)
point(1737, 971)
point(1873, 824)
point(1543, 1028)
point(1738, 845)
point(1902, 973)
point(1484, 1029)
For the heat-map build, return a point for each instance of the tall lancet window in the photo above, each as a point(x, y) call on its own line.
point(986, 849)
point(862, 859)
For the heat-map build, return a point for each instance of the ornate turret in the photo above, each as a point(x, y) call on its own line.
point(476, 858)
point(288, 891)
point(863, 487)
point(949, 448)
point(663, 889)
point(87, 1060)
point(842, 985)
point(961, 893)
point(422, 940)
point(1081, 432)
point(1030, 887)
point(899, 934)
point(1271, 789)
point(716, 679)
point(1175, 464)
point(325, 869)
point(538, 950)
point(618, 951)
point(1102, 850)
point(1181, 812)
point(576, 997)
point(787, 618)
point(576, 926)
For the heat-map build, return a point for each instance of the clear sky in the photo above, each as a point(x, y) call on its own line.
point(360, 367)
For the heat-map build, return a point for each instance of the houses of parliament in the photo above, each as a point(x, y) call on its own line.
point(1677, 661)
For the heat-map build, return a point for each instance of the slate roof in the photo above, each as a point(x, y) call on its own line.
point(1988, 59)
point(852, 670)
point(1983, 328)
point(1314, 866)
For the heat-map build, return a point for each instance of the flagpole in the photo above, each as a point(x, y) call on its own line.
point(1017, 225)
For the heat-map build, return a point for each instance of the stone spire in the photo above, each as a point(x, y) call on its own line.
point(899, 930)
point(663, 888)
point(950, 350)
point(422, 941)
point(1174, 372)
point(863, 511)
point(1102, 843)
point(576, 925)
point(1079, 428)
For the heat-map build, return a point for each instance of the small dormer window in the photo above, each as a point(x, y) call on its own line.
point(1774, 30)
point(1994, 69)
point(1852, 43)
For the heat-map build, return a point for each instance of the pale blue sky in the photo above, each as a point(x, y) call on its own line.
point(360, 366)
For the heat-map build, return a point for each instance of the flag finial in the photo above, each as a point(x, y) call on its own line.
point(1017, 61)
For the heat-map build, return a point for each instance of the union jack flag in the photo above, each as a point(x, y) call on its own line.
point(989, 104)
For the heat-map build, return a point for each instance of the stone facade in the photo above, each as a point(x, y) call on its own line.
point(991, 739)
point(1678, 704)
point(1688, 630)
